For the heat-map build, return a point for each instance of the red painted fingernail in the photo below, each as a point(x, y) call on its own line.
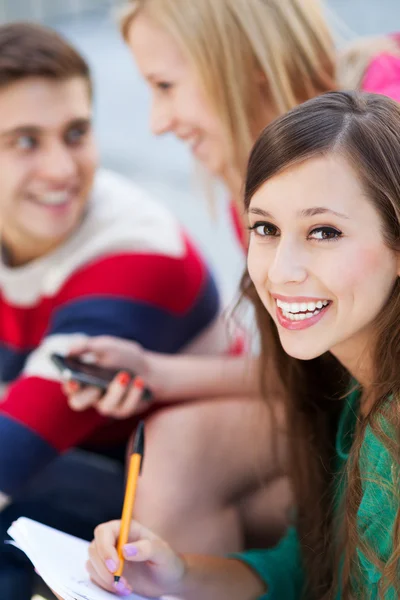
point(123, 378)
point(72, 387)
point(138, 383)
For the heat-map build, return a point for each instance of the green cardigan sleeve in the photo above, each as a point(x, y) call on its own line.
point(279, 568)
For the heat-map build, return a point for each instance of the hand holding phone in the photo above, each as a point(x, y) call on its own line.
point(89, 374)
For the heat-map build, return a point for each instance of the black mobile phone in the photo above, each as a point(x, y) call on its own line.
point(89, 373)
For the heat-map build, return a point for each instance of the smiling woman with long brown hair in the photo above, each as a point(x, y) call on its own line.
point(218, 71)
point(322, 198)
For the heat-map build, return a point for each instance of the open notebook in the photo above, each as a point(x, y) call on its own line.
point(60, 559)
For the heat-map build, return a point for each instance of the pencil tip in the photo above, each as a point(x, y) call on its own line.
point(138, 444)
point(116, 578)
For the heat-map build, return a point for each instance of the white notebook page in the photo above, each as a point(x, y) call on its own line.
point(60, 560)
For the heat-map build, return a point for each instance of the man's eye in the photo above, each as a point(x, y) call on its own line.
point(325, 234)
point(74, 136)
point(26, 142)
point(263, 229)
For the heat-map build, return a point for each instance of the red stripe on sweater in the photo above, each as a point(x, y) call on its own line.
point(41, 405)
point(169, 283)
point(141, 277)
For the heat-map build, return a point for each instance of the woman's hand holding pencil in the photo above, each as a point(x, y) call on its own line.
point(151, 567)
point(126, 557)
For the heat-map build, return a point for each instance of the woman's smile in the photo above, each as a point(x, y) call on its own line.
point(296, 313)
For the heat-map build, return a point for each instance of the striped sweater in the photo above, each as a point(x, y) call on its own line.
point(128, 271)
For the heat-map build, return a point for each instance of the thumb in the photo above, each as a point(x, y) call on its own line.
point(155, 551)
point(80, 346)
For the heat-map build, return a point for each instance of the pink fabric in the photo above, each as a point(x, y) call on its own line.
point(383, 76)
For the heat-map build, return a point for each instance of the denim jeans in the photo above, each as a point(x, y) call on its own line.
point(75, 493)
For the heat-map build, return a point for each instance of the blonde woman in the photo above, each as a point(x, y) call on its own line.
point(218, 72)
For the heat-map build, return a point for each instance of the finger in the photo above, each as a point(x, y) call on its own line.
point(70, 388)
point(90, 345)
point(146, 550)
point(104, 570)
point(85, 398)
point(95, 577)
point(105, 540)
point(115, 395)
point(102, 347)
point(122, 588)
point(138, 531)
point(80, 347)
point(132, 399)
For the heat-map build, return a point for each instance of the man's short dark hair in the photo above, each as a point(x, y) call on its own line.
point(31, 50)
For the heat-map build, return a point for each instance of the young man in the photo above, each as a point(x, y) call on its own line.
point(83, 252)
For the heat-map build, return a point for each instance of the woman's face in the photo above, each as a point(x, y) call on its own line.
point(318, 259)
point(179, 102)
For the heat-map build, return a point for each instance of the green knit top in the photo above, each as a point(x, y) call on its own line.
point(281, 567)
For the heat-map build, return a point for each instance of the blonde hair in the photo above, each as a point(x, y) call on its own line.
point(354, 59)
point(228, 41)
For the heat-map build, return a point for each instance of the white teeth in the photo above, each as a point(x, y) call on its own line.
point(54, 198)
point(281, 305)
point(299, 316)
point(301, 307)
point(298, 311)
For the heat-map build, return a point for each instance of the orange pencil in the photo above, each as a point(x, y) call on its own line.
point(135, 468)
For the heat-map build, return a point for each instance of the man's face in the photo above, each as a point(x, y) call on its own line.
point(48, 160)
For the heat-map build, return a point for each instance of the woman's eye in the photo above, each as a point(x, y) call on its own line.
point(264, 229)
point(26, 142)
point(325, 233)
point(164, 86)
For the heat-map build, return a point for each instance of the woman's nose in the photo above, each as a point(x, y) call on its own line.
point(288, 264)
point(160, 118)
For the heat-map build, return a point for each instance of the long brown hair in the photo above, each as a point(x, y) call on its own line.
point(364, 129)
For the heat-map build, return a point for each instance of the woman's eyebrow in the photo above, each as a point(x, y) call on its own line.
point(320, 210)
point(303, 214)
